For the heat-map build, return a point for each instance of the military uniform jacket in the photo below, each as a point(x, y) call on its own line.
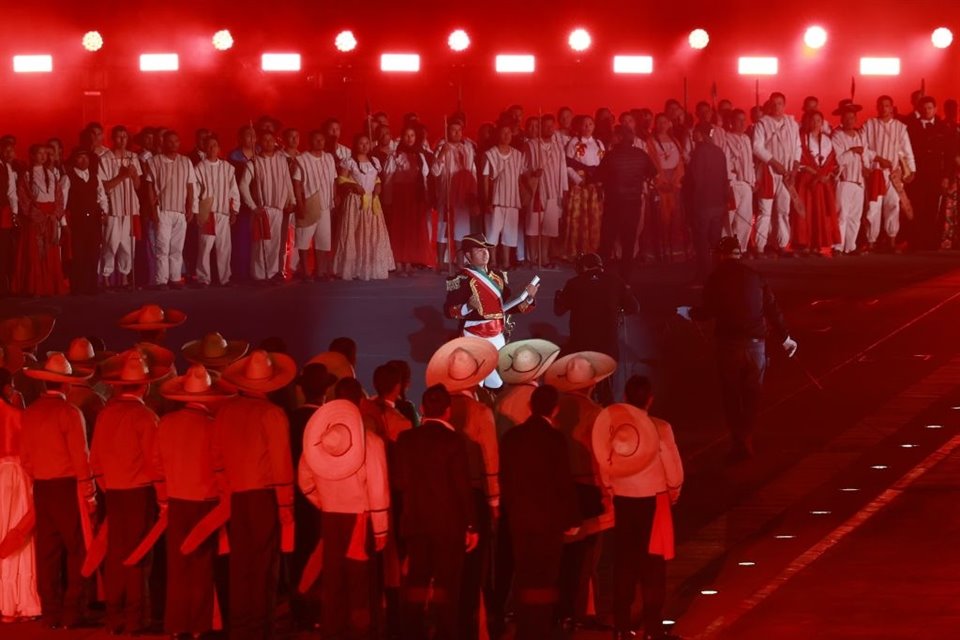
point(489, 290)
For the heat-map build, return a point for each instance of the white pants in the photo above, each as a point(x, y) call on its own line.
point(461, 223)
point(291, 258)
point(221, 242)
point(546, 222)
point(781, 202)
point(887, 208)
point(741, 217)
point(850, 211)
point(117, 248)
point(492, 381)
point(318, 233)
point(168, 248)
point(266, 253)
point(503, 226)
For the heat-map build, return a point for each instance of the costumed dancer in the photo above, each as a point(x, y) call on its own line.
point(893, 164)
point(776, 144)
point(120, 172)
point(39, 270)
point(854, 160)
point(174, 195)
point(743, 178)
point(315, 187)
point(455, 166)
point(86, 207)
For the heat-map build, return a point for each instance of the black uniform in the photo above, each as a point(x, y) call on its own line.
point(86, 232)
point(7, 234)
point(933, 146)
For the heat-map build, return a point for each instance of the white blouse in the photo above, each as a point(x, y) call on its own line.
point(820, 150)
point(365, 174)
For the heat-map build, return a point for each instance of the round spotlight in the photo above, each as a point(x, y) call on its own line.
point(579, 40)
point(458, 40)
point(345, 41)
point(92, 41)
point(699, 39)
point(942, 38)
point(815, 37)
point(222, 40)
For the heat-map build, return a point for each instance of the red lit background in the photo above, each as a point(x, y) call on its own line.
point(226, 89)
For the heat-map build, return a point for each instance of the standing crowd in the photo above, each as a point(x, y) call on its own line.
point(543, 189)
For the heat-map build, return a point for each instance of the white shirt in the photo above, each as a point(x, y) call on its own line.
point(319, 175)
point(218, 181)
point(778, 140)
point(456, 169)
point(587, 151)
point(123, 197)
point(43, 187)
point(272, 182)
point(504, 173)
point(549, 156)
point(851, 164)
point(889, 140)
point(85, 176)
point(12, 189)
point(820, 147)
point(667, 152)
point(366, 173)
point(740, 163)
point(663, 474)
point(171, 178)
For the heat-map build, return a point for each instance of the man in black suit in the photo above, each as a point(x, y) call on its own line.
point(439, 516)
point(539, 499)
point(706, 191)
point(932, 147)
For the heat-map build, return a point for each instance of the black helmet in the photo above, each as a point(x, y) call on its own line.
point(729, 248)
point(589, 262)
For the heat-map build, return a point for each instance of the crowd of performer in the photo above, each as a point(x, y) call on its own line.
point(121, 210)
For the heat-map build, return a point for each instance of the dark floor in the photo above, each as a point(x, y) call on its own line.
point(879, 360)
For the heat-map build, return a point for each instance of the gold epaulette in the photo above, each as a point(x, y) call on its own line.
point(454, 283)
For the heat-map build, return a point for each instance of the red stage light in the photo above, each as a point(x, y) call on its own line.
point(33, 64)
point(752, 66)
point(401, 62)
point(699, 39)
point(345, 41)
point(941, 38)
point(632, 64)
point(509, 63)
point(92, 41)
point(458, 40)
point(159, 62)
point(280, 62)
point(815, 37)
point(879, 66)
point(222, 40)
point(579, 40)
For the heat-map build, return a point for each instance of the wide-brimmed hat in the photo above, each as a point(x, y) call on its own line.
point(580, 370)
point(474, 241)
point(213, 350)
point(461, 364)
point(82, 355)
point(152, 317)
point(26, 331)
point(12, 358)
point(625, 440)
point(336, 363)
point(847, 105)
point(156, 355)
point(526, 360)
point(197, 385)
point(135, 366)
point(261, 371)
point(56, 368)
point(333, 440)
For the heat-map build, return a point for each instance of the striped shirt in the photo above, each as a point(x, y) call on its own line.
point(457, 179)
point(889, 140)
point(123, 197)
point(217, 180)
point(170, 178)
point(267, 182)
point(504, 172)
point(851, 163)
point(739, 151)
point(549, 156)
point(318, 174)
point(777, 140)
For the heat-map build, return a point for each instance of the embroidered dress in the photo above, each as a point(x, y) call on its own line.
point(363, 244)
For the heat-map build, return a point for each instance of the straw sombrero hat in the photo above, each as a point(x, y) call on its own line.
point(526, 360)
point(215, 351)
point(261, 371)
point(82, 355)
point(151, 317)
point(133, 366)
point(580, 370)
point(26, 331)
point(156, 355)
point(196, 385)
point(625, 440)
point(336, 364)
point(56, 368)
point(333, 440)
point(461, 364)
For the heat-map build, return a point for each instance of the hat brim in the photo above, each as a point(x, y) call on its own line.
point(336, 363)
point(548, 351)
point(855, 108)
point(603, 365)
point(193, 353)
point(323, 464)
point(42, 328)
point(284, 371)
point(171, 318)
point(37, 372)
point(173, 389)
point(90, 363)
point(613, 464)
point(482, 351)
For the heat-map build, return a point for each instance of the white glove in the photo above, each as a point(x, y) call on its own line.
point(790, 347)
point(684, 312)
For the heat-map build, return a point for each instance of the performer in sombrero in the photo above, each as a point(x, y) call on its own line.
point(151, 321)
point(479, 297)
point(21, 337)
point(214, 352)
point(520, 365)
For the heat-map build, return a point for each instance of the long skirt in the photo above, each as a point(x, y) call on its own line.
point(363, 243)
point(407, 224)
point(819, 228)
point(38, 270)
point(582, 230)
point(18, 580)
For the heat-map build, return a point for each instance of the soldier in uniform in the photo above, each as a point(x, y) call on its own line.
point(477, 295)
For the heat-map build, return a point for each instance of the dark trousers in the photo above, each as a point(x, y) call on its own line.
point(578, 565)
point(254, 563)
point(536, 582)
point(925, 230)
point(8, 252)
point(631, 539)
point(621, 219)
point(59, 546)
point(742, 364)
point(85, 253)
point(476, 569)
point(503, 574)
point(437, 557)
point(305, 607)
point(345, 583)
point(707, 229)
point(190, 579)
point(131, 513)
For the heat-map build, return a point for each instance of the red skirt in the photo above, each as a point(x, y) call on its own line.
point(820, 228)
point(38, 270)
point(407, 226)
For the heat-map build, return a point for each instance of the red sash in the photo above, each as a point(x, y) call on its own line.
point(210, 226)
point(261, 225)
point(876, 185)
point(765, 187)
point(661, 535)
point(136, 231)
point(490, 329)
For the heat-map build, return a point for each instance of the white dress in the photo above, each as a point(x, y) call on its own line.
point(18, 581)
